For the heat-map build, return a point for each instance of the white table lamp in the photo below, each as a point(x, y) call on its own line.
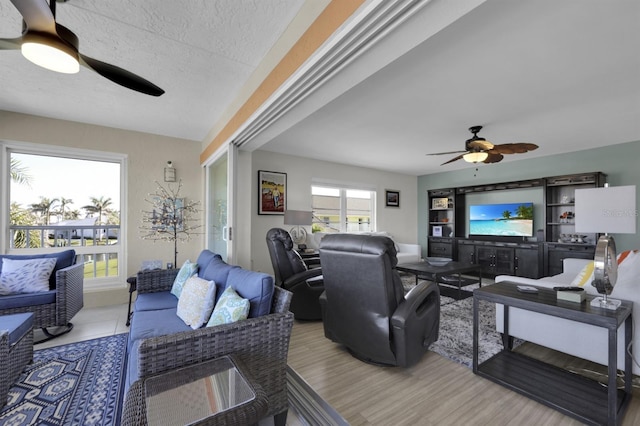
point(606, 210)
point(300, 219)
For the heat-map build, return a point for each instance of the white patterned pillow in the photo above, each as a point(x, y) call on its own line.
point(187, 270)
point(230, 308)
point(196, 301)
point(25, 275)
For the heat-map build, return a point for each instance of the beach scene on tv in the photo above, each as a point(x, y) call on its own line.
point(507, 219)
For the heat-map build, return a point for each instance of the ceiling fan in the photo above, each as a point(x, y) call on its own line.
point(478, 149)
point(53, 46)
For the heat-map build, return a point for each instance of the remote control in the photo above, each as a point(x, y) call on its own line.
point(527, 289)
point(568, 289)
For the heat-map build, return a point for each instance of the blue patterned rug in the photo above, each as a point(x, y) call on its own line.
point(76, 384)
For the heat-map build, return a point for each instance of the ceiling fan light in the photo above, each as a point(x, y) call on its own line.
point(49, 52)
point(475, 157)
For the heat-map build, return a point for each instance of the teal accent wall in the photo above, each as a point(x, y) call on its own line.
point(618, 162)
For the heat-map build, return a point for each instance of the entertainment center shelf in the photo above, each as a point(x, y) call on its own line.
point(540, 254)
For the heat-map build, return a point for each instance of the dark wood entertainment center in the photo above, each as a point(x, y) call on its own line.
point(532, 257)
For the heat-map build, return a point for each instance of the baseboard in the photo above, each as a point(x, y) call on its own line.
point(309, 405)
point(105, 297)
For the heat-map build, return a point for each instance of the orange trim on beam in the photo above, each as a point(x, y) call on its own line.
point(331, 18)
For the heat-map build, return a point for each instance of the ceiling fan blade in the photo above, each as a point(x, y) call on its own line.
point(121, 76)
point(37, 15)
point(493, 158)
point(454, 159)
point(514, 148)
point(10, 43)
point(443, 153)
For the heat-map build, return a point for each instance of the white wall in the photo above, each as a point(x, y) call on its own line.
point(147, 155)
point(400, 222)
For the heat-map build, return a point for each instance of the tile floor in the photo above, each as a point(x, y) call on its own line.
point(90, 323)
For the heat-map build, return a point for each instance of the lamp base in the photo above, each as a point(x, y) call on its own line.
point(606, 303)
point(298, 235)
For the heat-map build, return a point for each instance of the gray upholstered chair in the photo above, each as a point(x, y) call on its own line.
point(364, 306)
point(293, 274)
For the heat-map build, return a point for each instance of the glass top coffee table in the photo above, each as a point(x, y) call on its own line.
point(203, 394)
point(449, 274)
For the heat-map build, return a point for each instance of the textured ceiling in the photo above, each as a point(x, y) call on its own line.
point(201, 52)
point(561, 74)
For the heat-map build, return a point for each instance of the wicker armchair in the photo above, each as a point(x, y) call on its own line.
point(69, 299)
point(261, 344)
point(15, 352)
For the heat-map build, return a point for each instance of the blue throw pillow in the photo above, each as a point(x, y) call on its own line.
point(230, 308)
point(187, 270)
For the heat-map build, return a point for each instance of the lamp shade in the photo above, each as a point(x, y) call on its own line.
point(297, 217)
point(610, 210)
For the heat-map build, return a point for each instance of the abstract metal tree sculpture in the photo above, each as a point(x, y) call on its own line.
point(171, 218)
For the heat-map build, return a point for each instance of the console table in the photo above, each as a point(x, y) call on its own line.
point(576, 396)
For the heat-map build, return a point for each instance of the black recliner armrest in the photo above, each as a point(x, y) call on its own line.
point(300, 277)
point(416, 322)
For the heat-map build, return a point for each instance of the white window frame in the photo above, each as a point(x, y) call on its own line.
point(6, 147)
point(343, 187)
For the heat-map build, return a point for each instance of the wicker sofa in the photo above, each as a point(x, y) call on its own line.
point(159, 341)
point(56, 307)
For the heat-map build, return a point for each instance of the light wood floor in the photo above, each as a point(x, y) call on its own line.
point(436, 391)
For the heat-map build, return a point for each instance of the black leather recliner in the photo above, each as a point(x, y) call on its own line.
point(364, 306)
point(292, 274)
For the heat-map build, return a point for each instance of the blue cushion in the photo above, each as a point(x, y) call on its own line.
point(147, 324)
point(17, 324)
point(132, 364)
point(22, 300)
point(64, 259)
point(155, 301)
point(207, 256)
point(217, 270)
point(255, 286)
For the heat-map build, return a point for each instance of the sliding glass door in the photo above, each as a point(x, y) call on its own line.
point(219, 182)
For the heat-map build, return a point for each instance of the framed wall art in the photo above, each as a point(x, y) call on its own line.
point(439, 203)
point(392, 198)
point(272, 192)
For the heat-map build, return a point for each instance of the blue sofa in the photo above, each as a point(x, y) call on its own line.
point(56, 307)
point(160, 341)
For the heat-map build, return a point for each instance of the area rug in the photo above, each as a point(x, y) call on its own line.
point(76, 384)
point(455, 340)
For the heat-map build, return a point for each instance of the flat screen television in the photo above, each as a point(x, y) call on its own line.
point(501, 220)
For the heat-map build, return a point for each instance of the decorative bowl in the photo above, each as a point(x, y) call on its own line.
point(438, 261)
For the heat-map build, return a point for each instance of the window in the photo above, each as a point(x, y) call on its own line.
point(67, 198)
point(338, 209)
